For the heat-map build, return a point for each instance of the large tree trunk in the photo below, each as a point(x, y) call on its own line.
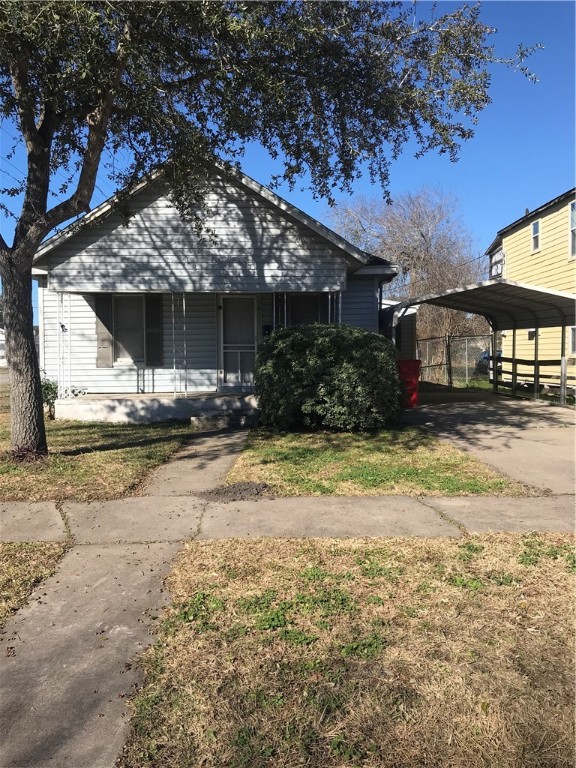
point(27, 412)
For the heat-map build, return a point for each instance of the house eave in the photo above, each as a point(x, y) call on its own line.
point(376, 270)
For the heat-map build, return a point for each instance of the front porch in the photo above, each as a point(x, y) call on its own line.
point(204, 409)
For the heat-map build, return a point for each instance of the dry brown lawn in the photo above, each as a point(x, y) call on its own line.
point(390, 653)
point(86, 461)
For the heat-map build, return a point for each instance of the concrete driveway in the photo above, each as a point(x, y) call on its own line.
point(530, 441)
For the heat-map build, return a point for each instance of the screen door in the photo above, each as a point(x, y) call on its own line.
point(238, 341)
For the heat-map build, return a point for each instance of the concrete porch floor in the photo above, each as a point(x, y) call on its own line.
point(146, 408)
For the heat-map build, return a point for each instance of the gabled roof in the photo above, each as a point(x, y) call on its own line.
point(364, 260)
point(505, 304)
point(527, 216)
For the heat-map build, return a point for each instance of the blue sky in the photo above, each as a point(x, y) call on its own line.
point(523, 153)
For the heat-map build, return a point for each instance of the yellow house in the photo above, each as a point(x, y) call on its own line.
point(540, 249)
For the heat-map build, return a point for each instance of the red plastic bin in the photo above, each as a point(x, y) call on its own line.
point(409, 372)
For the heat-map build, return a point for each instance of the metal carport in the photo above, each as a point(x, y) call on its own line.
point(507, 306)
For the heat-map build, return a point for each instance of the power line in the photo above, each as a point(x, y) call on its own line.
point(61, 173)
point(5, 160)
point(7, 173)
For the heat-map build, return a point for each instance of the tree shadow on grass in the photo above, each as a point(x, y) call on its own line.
point(186, 439)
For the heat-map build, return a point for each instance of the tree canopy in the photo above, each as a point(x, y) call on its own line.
point(331, 88)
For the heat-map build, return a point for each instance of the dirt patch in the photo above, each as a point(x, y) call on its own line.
point(239, 492)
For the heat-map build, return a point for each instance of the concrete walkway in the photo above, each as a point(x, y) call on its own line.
point(66, 659)
point(529, 440)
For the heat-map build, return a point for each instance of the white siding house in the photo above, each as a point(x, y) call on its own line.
point(146, 306)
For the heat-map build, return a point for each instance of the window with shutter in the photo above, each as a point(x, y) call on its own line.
point(129, 329)
point(129, 321)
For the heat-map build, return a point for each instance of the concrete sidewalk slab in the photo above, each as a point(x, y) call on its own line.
point(135, 519)
point(332, 516)
point(481, 514)
point(200, 466)
point(31, 521)
point(65, 664)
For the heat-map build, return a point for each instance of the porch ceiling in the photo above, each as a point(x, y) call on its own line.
point(505, 304)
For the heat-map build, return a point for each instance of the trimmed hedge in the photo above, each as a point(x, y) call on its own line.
point(327, 376)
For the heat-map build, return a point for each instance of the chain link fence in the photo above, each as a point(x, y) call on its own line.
point(454, 360)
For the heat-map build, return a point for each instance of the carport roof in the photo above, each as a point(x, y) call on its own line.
point(505, 304)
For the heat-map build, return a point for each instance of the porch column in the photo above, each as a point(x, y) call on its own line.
point(64, 349)
point(184, 342)
point(173, 346)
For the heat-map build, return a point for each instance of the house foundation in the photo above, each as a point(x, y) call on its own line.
point(205, 410)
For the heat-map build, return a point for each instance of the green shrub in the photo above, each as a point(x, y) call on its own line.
point(327, 376)
point(49, 394)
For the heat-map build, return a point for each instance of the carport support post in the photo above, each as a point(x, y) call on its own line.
point(514, 364)
point(563, 367)
point(493, 364)
point(536, 366)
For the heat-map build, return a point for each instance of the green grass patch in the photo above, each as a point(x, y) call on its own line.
point(404, 462)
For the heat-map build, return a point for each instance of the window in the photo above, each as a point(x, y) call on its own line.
point(497, 263)
point(129, 329)
point(573, 341)
point(129, 320)
point(304, 309)
point(572, 230)
point(536, 235)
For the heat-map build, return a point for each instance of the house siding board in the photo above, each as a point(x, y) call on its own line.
point(49, 354)
point(550, 267)
point(256, 250)
point(360, 303)
point(199, 373)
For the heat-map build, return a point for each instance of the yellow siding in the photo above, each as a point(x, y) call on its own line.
point(549, 348)
point(551, 266)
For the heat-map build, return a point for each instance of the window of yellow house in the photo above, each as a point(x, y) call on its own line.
point(572, 341)
point(536, 235)
point(497, 264)
point(572, 230)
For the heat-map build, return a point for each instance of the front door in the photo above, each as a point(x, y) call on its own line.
point(238, 335)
